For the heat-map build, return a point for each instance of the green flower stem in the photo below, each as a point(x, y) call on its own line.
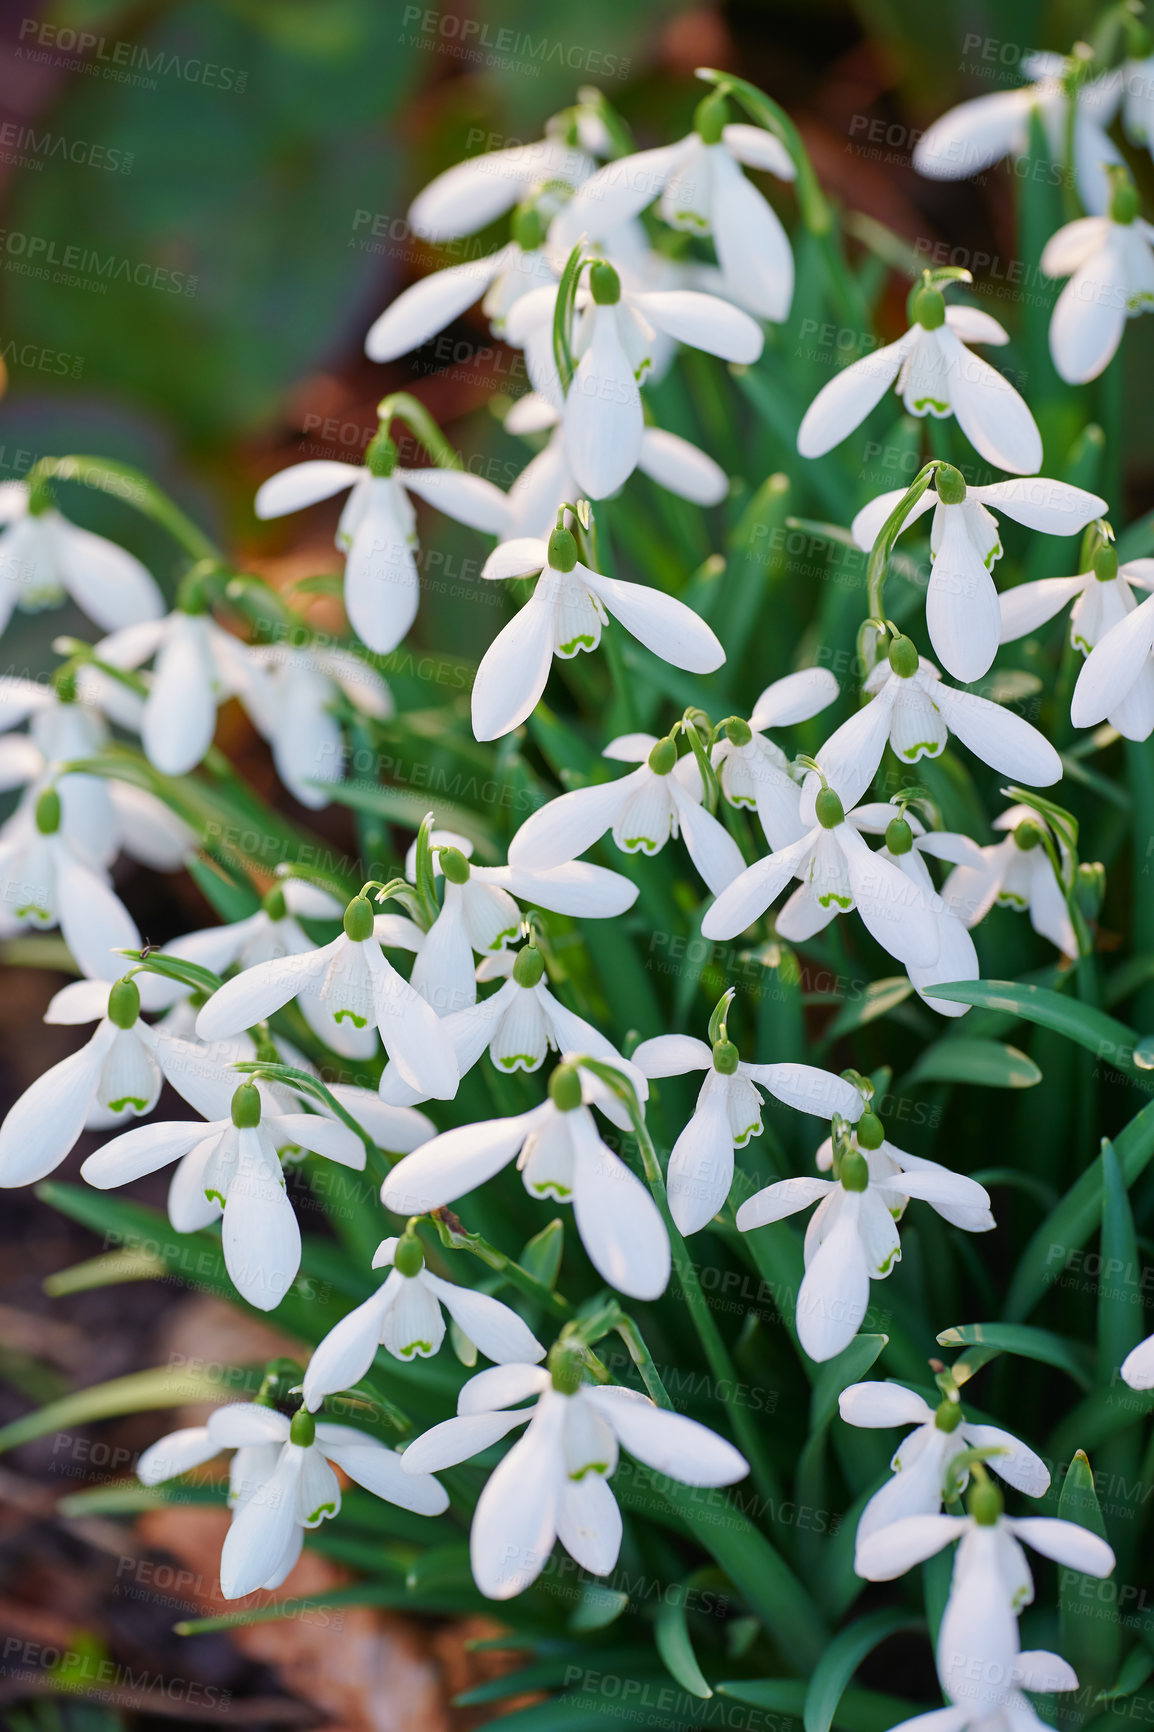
point(399, 406)
point(815, 210)
point(455, 1237)
point(891, 529)
point(121, 481)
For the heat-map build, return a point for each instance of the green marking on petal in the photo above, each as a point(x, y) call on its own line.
point(525, 1060)
point(32, 910)
point(552, 1188)
point(128, 1101)
point(1009, 899)
point(422, 1347)
point(216, 1197)
point(895, 1257)
point(322, 1510)
point(357, 1021)
point(598, 1467)
point(743, 1137)
point(572, 646)
point(921, 404)
point(646, 844)
point(499, 942)
point(915, 751)
point(832, 896)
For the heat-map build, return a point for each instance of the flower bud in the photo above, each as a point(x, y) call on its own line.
point(565, 1088)
point(246, 1107)
point(1123, 200)
point(928, 308)
point(565, 1368)
point(709, 117)
point(948, 1416)
point(562, 550)
point(951, 485)
point(124, 1003)
point(381, 455)
point(1105, 563)
point(529, 966)
point(871, 1133)
point(274, 903)
point(455, 866)
point(64, 684)
point(899, 836)
point(985, 1503)
point(663, 757)
point(48, 812)
point(604, 284)
point(829, 810)
point(903, 657)
point(359, 919)
point(527, 228)
point(410, 1258)
point(853, 1172)
point(303, 1430)
point(737, 732)
point(726, 1058)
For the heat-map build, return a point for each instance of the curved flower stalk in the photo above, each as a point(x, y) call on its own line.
point(913, 711)
point(44, 558)
point(293, 707)
point(977, 134)
point(287, 1486)
point(962, 614)
point(1016, 873)
point(352, 981)
point(563, 617)
point(546, 483)
point(405, 1317)
point(852, 1238)
point(728, 1111)
point(978, 1650)
point(47, 880)
point(1110, 263)
point(935, 374)
point(1116, 683)
point(478, 914)
point(378, 528)
point(230, 1168)
point(196, 666)
point(114, 1077)
point(702, 192)
point(559, 1154)
point(837, 873)
point(518, 1024)
point(661, 799)
point(923, 1472)
point(753, 771)
point(553, 1484)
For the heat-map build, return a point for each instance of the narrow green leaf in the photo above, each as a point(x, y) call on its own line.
point(842, 1659)
point(1040, 1344)
point(987, 1063)
point(1088, 1617)
point(542, 1254)
point(138, 1392)
point(1104, 1036)
point(1120, 1324)
point(671, 1633)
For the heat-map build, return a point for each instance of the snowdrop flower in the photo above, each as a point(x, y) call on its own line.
point(935, 374)
point(474, 193)
point(46, 881)
point(1138, 89)
point(377, 529)
point(703, 192)
point(1116, 683)
point(852, 1237)
point(837, 872)
point(546, 483)
point(563, 617)
point(292, 706)
point(553, 1484)
point(906, 843)
point(1037, 1671)
point(1102, 596)
point(196, 667)
point(404, 1315)
point(753, 771)
point(1138, 1365)
point(961, 602)
point(913, 711)
point(976, 134)
point(978, 1650)
point(602, 419)
point(230, 1167)
point(1110, 263)
point(351, 980)
point(176, 1453)
point(921, 1464)
point(968, 1209)
point(560, 1154)
point(519, 1024)
point(660, 799)
point(1017, 873)
point(290, 1486)
point(728, 1113)
point(43, 558)
point(479, 914)
point(115, 1076)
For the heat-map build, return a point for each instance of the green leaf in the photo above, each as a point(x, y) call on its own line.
point(107, 1270)
point(1120, 1325)
point(542, 1254)
point(1104, 1036)
point(842, 1659)
point(139, 1391)
point(671, 1633)
point(1091, 1635)
point(987, 1063)
point(850, 1366)
point(1040, 1344)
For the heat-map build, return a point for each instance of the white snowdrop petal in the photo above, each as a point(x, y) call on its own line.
point(454, 1163)
point(843, 403)
point(425, 308)
point(681, 468)
point(495, 1329)
point(880, 1404)
point(897, 1549)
